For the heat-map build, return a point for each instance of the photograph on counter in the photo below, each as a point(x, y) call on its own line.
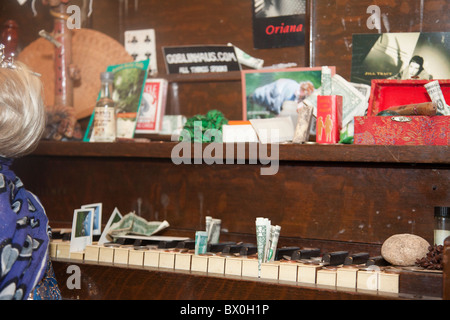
point(97, 221)
point(267, 93)
point(115, 217)
point(278, 23)
point(401, 56)
point(82, 228)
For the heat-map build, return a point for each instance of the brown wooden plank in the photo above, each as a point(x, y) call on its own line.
point(372, 154)
point(101, 282)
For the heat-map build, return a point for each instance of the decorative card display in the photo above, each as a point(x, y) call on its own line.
point(278, 23)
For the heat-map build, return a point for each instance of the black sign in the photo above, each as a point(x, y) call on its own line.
point(200, 59)
point(279, 23)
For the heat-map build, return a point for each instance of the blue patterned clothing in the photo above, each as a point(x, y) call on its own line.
point(24, 237)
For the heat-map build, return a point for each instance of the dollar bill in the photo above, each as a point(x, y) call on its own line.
point(201, 242)
point(214, 231)
point(274, 236)
point(262, 239)
point(354, 102)
point(437, 97)
point(208, 220)
point(326, 81)
point(132, 224)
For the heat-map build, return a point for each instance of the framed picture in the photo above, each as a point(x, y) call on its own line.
point(265, 91)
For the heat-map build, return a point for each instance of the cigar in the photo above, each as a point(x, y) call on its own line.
point(415, 109)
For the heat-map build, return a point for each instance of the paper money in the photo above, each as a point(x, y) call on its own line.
point(208, 220)
point(326, 81)
point(262, 240)
point(201, 242)
point(131, 224)
point(354, 102)
point(274, 236)
point(214, 231)
point(437, 97)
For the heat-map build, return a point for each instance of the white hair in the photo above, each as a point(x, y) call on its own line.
point(22, 112)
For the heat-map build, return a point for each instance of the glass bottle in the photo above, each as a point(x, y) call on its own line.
point(441, 224)
point(104, 126)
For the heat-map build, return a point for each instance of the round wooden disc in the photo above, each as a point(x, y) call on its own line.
point(92, 53)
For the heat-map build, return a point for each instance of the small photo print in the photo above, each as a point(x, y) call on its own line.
point(83, 223)
point(97, 221)
point(265, 91)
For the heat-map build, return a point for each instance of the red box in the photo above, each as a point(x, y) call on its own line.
point(329, 119)
point(406, 130)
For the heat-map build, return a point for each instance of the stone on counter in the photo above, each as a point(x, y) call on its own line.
point(404, 249)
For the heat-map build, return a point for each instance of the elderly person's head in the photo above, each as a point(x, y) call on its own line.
point(22, 112)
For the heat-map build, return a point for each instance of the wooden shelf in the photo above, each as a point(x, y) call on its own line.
point(287, 152)
point(205, 77)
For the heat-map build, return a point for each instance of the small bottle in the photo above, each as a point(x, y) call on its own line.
point(104, 126)
point(441, 224)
